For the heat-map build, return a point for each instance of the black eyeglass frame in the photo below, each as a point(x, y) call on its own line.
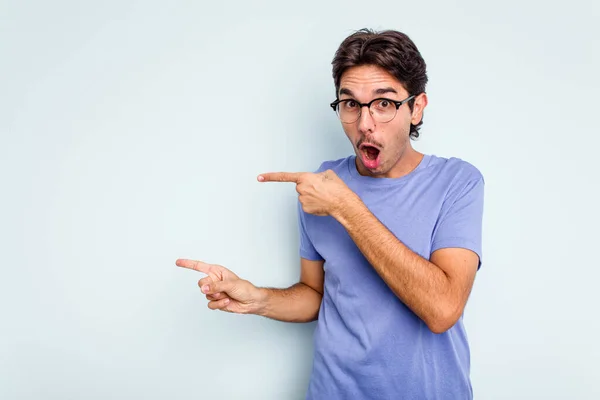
point(397, 103)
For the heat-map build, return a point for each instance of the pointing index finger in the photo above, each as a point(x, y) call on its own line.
point(280, 177)
point(193, 264)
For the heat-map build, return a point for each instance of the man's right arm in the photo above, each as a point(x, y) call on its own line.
point(228, 292)
point(298, 303)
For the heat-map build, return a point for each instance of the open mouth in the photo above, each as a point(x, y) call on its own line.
point(370, 155)
point(370, 152)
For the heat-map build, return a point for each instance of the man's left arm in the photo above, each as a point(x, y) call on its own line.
point(437, 289)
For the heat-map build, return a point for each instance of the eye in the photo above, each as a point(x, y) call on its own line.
point(383, 104)
point(349, 104)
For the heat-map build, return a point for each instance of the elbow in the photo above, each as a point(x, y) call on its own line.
point(315, 306)
point(443, 320)
point(314, 314)
point(439, 327)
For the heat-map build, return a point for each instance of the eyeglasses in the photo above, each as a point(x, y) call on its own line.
point(382, 109)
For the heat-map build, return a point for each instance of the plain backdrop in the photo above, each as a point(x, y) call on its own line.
point(132, 133)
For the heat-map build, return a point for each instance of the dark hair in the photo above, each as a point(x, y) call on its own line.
point(391, 50)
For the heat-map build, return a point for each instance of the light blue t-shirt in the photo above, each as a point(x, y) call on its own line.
point(368, 344)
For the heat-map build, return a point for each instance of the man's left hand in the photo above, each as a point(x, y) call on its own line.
point(320, 193)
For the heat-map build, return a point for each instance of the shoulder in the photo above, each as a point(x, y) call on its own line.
point(454, 178)
point(454, 169)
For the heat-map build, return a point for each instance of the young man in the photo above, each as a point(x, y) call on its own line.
point(390, 242)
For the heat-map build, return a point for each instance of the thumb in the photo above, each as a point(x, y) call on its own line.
point(218, 286)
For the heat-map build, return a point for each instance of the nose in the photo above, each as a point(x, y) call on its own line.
point(365, 122)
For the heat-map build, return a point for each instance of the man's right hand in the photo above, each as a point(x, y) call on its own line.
point(224, 289)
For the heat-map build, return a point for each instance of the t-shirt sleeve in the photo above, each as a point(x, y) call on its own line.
point(460, 221)
point(307, 249)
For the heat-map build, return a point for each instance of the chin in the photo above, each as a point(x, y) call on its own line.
point(375, 168)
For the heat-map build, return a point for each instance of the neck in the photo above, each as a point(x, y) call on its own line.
point(408, 161)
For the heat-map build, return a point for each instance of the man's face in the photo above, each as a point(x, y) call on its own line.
point(379, 146)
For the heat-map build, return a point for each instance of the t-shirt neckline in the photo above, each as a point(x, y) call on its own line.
point(351, 164)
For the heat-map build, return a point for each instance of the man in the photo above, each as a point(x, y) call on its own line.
point(390, 242)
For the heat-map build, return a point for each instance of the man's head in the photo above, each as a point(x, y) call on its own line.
point(370, 65)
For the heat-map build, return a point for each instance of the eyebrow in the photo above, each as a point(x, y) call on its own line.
point(376, 91)
point(385, 90)
point(346, 91)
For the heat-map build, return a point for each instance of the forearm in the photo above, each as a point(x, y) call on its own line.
point(418, 283)
point(298, 303)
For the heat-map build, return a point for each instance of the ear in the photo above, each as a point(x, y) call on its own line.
point(418, 107)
